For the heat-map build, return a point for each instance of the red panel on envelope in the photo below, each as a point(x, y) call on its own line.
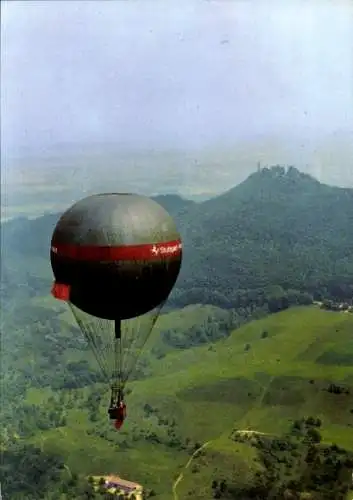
point(61, 291)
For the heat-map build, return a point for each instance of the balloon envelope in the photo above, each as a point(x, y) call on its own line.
point(115, 259)
point(120, 254)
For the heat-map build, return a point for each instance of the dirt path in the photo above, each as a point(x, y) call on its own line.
point(181, 475)
point(244, 432)
point(245, 420)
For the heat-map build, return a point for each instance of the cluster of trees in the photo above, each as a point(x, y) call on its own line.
point(37, 332)
point(22, 419)
point(249, 305)
point(212, 328)
point(165, 432)
point(331, 305)
point(337, 389)
point(271, 299)
point(28, 472)
point(298, 466)
point(31, 418)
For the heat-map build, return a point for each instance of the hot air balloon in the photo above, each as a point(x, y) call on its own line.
point(115, 259)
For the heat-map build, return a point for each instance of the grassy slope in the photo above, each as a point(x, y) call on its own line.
point(212, 391)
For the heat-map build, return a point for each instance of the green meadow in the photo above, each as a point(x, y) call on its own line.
point(246, 381)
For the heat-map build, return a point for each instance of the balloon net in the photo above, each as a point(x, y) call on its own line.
point(116, 357)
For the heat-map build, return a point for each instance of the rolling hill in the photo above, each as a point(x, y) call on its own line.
point(249, 380)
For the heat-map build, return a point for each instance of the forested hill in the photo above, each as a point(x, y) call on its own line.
point(278, 227)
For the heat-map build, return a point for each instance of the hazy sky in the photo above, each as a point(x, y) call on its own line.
point(175, 74)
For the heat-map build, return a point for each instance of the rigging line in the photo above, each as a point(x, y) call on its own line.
point(117, 370)
point(130, 353)
point(117, 355)
point(101, 344)
point(97, 355)
point(144, 343)
point(86, 330)
point(106, 340)
point(132, 337)
point(90, 336)
point(137, 348)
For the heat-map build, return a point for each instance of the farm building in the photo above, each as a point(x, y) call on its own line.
point(116, 484)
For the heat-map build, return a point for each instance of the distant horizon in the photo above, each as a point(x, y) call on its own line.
point(212, 168)
point(218, 85)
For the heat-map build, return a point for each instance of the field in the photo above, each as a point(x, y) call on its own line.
point(250, 380)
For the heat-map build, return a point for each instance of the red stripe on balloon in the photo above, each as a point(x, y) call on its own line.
point(154, 251)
